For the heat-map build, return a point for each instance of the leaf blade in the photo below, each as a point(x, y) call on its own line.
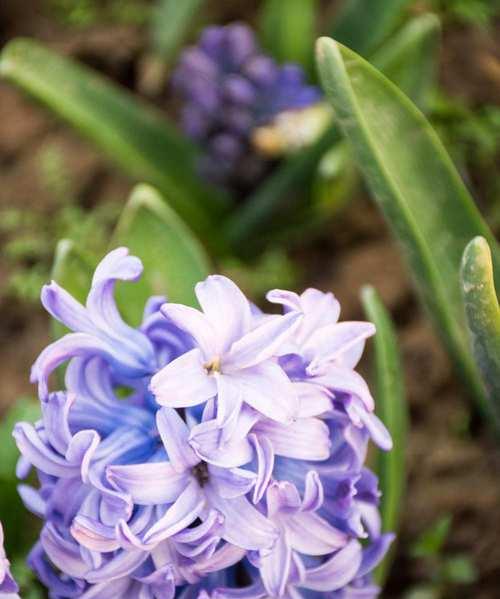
point(135, 136)
point(415, 184)
point(483, 315)
point(169, 24)
point(363, 25)
point(392, 409)
point(174, 260)
point(289, 34)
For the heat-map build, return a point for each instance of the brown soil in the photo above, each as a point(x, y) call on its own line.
point(453, 464)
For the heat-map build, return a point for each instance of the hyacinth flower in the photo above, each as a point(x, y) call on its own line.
point(229, 89)
point(210, 453)
point(8, 586)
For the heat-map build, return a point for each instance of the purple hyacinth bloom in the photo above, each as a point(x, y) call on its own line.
point(227, 87)
point(8, 586)
point(203, 448)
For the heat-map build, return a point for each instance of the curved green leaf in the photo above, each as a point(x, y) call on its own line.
point(288, 32)
point(135, 136)
point(73, 270)
point(174, 260)
point(169, 23)
point(364, 24)
point(483, 315)
point(392, 409)
point(409, 57)
point(416, 186)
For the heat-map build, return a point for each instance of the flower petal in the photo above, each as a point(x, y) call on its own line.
point(345, 380)
point(275, 566)
point(195, 323)
point(267, 389)
point(179, 516)
point(261, 343)
point(336, 572)
point(184, 382)
point(226, 308)
point(294, 440)
point(311, 535)
point(174, 434)
point(152, 483)
point(244, 526)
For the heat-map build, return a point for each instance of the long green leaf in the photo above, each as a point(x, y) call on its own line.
point(133, 135)
point(416, 186)
point(174, 261)
point(364, 24)
point(72, 270)
point(409, 57)
point(170, 22)
point(288, 32)
point(276, 193)
point(483, 315)
point(392, 408)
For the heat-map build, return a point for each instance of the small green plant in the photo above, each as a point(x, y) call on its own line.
point(446, 572)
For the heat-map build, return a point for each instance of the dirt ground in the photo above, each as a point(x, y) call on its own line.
point(453, 464)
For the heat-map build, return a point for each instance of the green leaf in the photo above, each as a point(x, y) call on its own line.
point(288, 33)
point(364, 24)
point(25, 409)
point(72, 269)
point(277, 193)
point(174, 260)
point(135, 136)
point(431, 541)
point(483, 315)
point(170, 22)
point(409, 57)
point(417, 187)
point(392, 409)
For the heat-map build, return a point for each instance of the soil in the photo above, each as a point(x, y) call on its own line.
point(453, 463)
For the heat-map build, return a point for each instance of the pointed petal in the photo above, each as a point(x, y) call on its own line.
point(313, 494)
point(63, 307)
point(311, 535)
point(195, 323)
point(265, 465)
point(226, 308)
point(347, 381)
point(336, 572)
point(267, 389)
point(303, 439)
point(207, 441)
point(183, 512)
point(261, 343)
point(314, 400)
point(333, 342)
point(152, 483)
point(174, 433)
point(184, 382)
point(275, 566)
point(244, 526)
point(231, 482)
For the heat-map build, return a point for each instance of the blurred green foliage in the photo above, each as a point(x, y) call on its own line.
point(30, 237)
point(471, 12)
point(84, 13)
point(447, 572)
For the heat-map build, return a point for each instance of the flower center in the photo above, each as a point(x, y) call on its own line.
point(213, 366)
point(200, 472)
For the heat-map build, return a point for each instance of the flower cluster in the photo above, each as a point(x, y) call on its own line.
point(8, 586)
point(206, 454)
point(228, 88)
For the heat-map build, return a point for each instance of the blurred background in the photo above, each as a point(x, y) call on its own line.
point(54, 185)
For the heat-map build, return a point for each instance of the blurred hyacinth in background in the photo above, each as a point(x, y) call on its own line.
point(228, 88)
